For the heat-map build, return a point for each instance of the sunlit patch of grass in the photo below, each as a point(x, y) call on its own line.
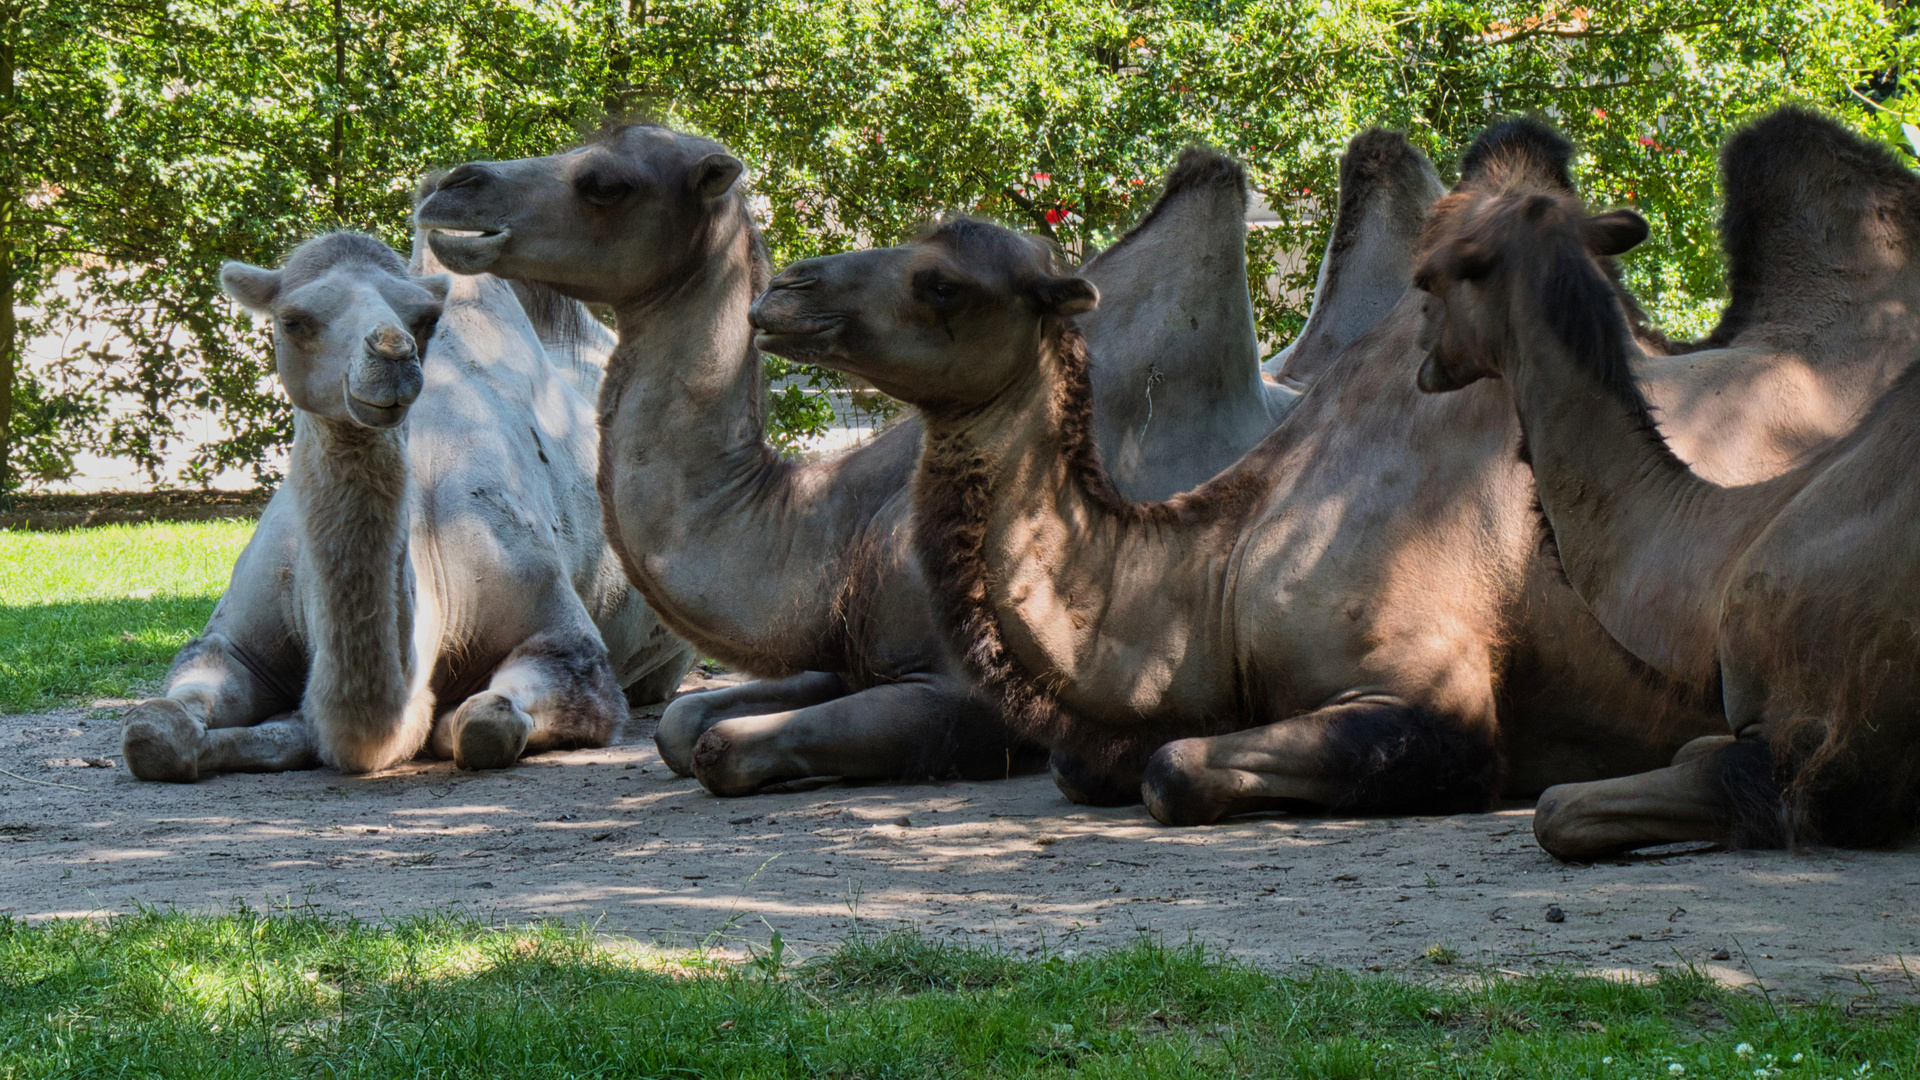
point(100, 612)
point(244, 995)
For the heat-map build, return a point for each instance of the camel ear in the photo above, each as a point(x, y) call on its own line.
point(713, 175)
point(1066, 296)
point(250, 286)
point(1613, 233)
point(437, 284)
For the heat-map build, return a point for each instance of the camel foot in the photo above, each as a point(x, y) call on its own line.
point(1174, 787)
point(1086, 786)
point(718, 764)
point(161, 741)
point(489, 732)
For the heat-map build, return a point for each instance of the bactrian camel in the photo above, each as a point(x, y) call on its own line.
point(801, 573)
point(1791, 603)
point(431, 574)
point(1357, 616)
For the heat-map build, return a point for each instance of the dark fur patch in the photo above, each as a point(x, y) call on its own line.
point(1519, 149)
point(1743, 775)
point(1376, 159)
point(1403, 759)
point(589, 705)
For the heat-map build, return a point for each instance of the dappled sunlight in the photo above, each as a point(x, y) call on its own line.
point(612, 838)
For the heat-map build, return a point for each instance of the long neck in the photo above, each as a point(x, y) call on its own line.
point(734, 548)
point(1644, 542)
point(353, 490)
point(1063, 598)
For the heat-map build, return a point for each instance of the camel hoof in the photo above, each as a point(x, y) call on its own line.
point(161, 741)
point(679, 733)
point(1084, 786)
point(1172, 789)
point(717, 765)
point(490, 732)
point(1564, 831)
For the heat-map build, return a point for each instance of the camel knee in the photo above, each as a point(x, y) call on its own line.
point(681, 725)
point(489, 732)
point(160, 740)
point(1180, 788)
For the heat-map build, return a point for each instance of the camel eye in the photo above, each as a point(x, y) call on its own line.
point(296, 325)
point(601, 190)
point(935, 289)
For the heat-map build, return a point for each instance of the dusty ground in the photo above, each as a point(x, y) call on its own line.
point(612, 837)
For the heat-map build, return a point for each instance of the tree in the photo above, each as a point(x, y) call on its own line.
point(152, 138)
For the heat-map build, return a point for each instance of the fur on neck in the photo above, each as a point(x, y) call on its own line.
point(354, 489)
point(955, 493)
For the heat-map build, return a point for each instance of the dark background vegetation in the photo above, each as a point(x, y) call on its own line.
point(146, 140)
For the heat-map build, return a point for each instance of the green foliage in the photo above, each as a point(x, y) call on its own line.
point(244, 995)
point(149, 139)
point(100, 612)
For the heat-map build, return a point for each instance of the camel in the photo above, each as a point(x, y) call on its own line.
point(431, 575)
point(801, 574)
point(1789, 602)
point(1357, 616)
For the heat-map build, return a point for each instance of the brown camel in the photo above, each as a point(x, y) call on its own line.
point(800, 573)
point(1356, 616)
point(1790, 602)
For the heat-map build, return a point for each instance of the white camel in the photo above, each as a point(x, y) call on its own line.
point(432, 575)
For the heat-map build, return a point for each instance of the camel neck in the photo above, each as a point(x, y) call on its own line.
point(732, 546)
point(353, 491)
point(1064, 597)
point(1643, 541)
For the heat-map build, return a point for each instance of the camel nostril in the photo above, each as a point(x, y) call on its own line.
point(464, 176)
point(390, 344)
point(795, 284)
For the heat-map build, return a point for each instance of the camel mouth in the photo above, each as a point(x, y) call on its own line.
point(467, 251)
point(379, 417)
point(807, 336)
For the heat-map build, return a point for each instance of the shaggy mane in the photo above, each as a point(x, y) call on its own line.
point(1519, 151)
point(954, 497)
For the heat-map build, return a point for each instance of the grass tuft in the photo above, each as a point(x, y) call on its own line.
point(247, 994)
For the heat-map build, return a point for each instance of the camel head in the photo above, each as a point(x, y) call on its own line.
point(945, 323)
point(349, 326)
point(634, 211)
point(1484, 250)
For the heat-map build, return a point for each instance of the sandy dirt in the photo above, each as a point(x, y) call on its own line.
point(613, 838)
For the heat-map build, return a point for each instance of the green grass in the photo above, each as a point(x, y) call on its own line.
point(100, 612)
point(245, 995)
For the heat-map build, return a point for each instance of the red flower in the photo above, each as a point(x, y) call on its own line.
point(1601, 113)
point(1056, 215)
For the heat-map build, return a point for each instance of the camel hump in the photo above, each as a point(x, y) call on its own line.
point(1807, 198)
point(1519, 150)
point(1201, 167)
point(1382, 170)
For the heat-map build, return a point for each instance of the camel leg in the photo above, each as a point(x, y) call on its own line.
point(690, 715)
point(554, 692)
point(281, 744)
point(162, 738)
point(892, 731)
point(1722, 792)
point(1366, 756)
